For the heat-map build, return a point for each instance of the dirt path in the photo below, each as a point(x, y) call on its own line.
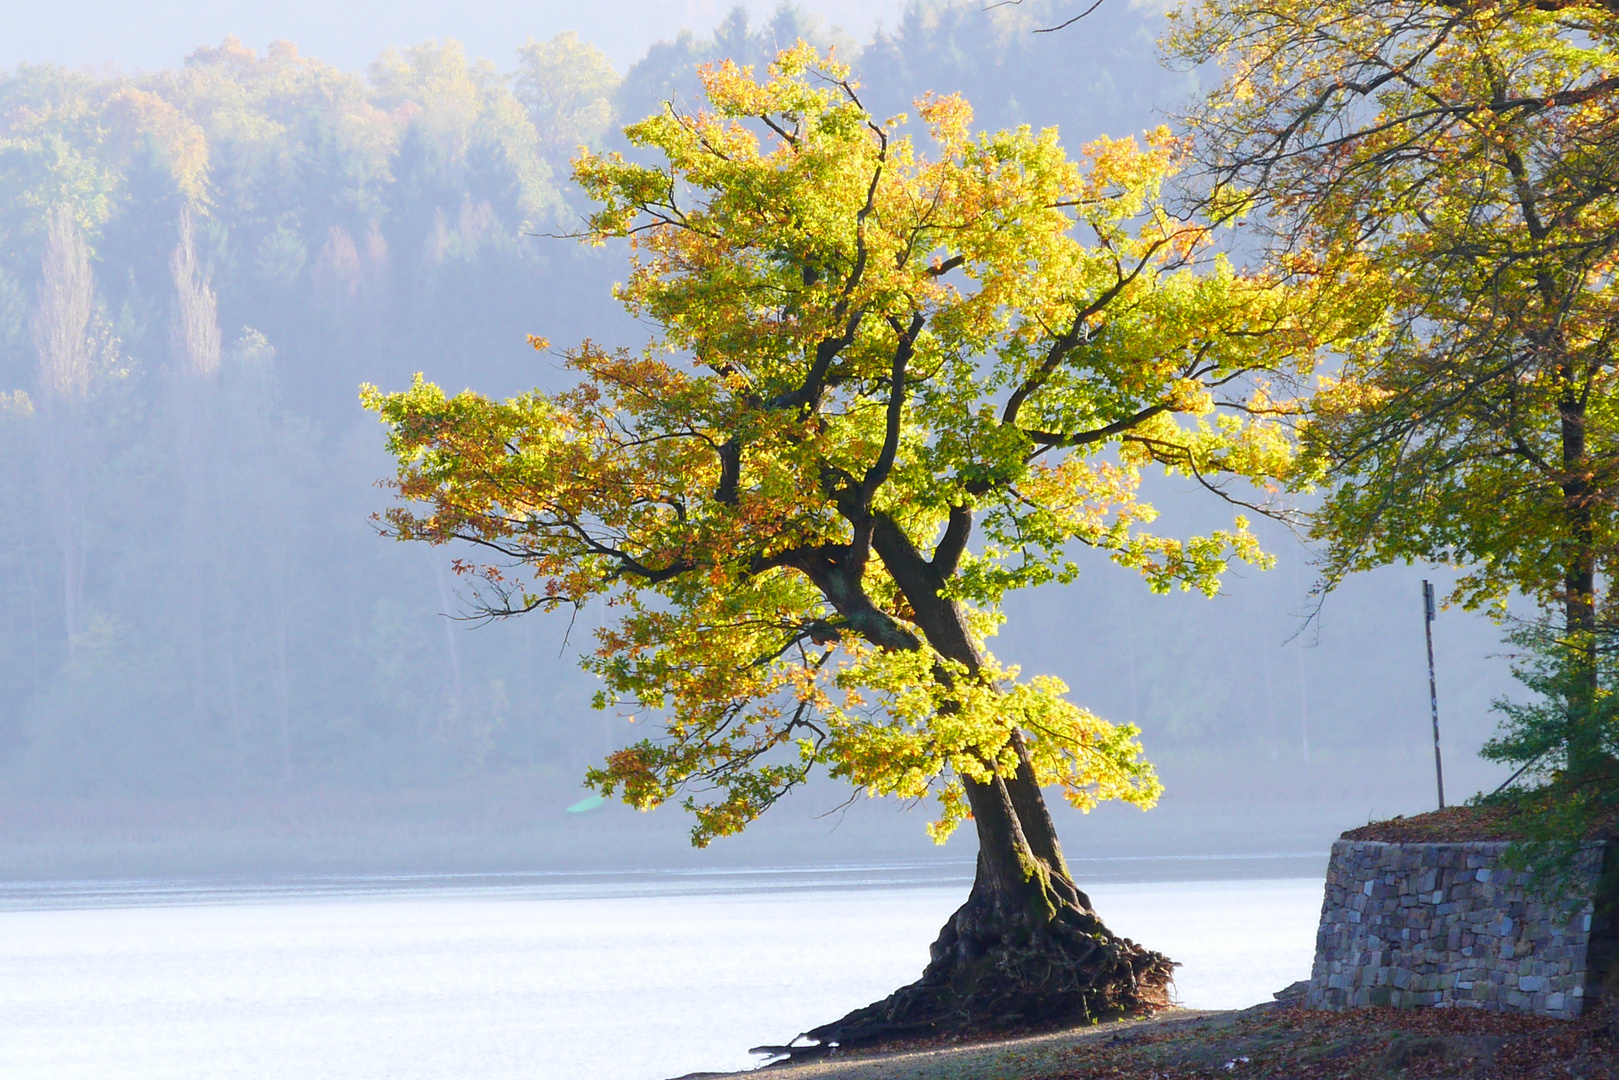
point(1010, 1059)
point(1267, 1042)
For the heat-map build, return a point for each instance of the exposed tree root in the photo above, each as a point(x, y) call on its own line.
point(993, 971)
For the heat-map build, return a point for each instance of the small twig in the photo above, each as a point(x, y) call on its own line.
point(1070, 22)
point(568, 633)
point(1049, 29)
point(1520, 772)
point(841, 809)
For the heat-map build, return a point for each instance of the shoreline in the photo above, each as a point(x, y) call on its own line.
point(141, 890)
point(1272, 1041)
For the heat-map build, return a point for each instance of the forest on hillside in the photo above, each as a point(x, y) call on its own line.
point(200, 266)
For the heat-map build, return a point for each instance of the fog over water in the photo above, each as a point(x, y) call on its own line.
point(625, 980)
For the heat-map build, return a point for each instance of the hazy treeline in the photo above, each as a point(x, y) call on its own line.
point(201, 265)
point(198, 268)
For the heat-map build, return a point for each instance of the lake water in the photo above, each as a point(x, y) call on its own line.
point(632, 978)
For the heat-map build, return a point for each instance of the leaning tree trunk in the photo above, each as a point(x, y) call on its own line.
point(1025, 951)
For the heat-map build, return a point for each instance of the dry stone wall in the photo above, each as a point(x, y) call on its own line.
point(1448, 924)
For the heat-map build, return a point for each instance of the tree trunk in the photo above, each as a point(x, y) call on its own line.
point(1579, 587)
point(194, 340)
point(60, 325)
point(1026, 950)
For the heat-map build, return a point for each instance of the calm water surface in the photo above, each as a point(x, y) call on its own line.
point(638, 981)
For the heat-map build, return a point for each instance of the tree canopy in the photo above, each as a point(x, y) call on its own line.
point(1456, 166)
point(864, 351)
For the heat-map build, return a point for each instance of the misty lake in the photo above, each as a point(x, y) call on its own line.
point(566, 977)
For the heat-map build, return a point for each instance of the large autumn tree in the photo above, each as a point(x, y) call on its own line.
point(1455, 166)
point(891, 380)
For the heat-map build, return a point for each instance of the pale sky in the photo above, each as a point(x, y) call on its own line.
point(157, 34)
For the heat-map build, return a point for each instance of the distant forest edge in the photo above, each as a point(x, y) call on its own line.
point(192, 602)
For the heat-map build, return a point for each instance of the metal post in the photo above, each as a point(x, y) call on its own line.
point(1433, 689)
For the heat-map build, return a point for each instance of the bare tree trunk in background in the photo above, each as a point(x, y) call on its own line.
point(282, 679)
point(256, 490)
point(62, 379)
point(194, 342)
point(35, 669)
